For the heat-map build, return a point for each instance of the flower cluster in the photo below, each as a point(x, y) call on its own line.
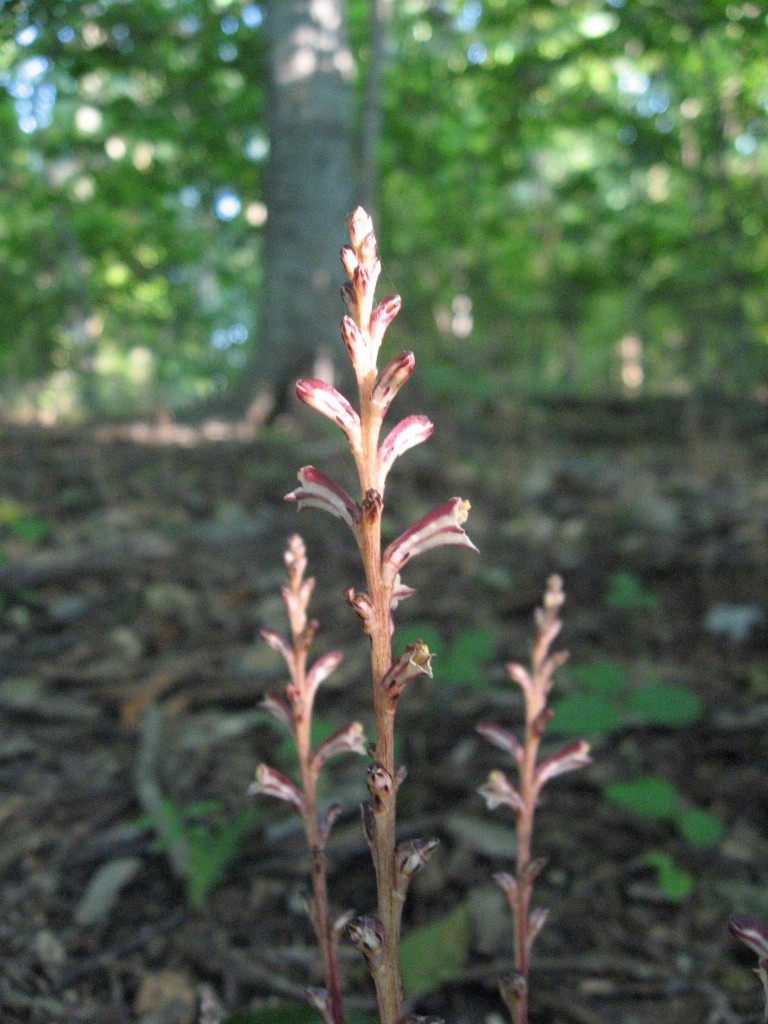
point(499, 791)
point(294, 711)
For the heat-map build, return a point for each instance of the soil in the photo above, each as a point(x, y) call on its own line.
point(138, 564)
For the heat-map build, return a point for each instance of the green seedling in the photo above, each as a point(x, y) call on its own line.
point(627, 593)
point(607, 701)
point(651, 796)
point(210, 848)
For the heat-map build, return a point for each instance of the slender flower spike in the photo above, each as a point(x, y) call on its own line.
point(575, 755)
point(498, 790)
point(349, 739)
point(409, 432)
point(330, 403)
point(441, 526)
point(755, 935)
point(318, 491)
point(270, 782)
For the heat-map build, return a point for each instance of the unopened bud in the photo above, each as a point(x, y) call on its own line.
point(380, 784)
point(348, 260)
point(410, 857)
point(367, 935)
point(363, 605)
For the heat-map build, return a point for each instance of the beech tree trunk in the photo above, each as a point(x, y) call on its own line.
point(308, 190)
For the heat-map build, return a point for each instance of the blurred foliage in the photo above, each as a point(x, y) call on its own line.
point(572, 195)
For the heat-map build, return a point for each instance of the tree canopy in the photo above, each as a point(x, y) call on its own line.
point(572, 193)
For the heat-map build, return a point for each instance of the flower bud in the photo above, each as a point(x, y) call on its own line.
point(380, 785)
point(367, 935)
point(382, 316)
point(321, 669)
point(349, 260)
point(410, 857)
point(320, 1000)
point(391, 379)
point(363, 605)
point(327, 820)
point(359, 226)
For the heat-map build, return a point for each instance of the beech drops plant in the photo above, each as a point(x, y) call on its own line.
point(377, 934)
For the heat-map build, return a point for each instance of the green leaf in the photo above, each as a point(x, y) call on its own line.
point(627, 593)
point(435, 954)
point(583, 714)
point(601, 676)
point(468, 653)
point(659, 704)
point(675, 882)
point(31, 529)
point(700, 827)
point(649, 796)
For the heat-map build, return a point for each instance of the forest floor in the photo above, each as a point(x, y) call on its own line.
point(137, 567)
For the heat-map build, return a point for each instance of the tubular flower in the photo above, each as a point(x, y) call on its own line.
point(441, 526)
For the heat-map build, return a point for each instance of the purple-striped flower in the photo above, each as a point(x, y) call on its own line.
point(321, 669)
point(443, 525)
point(330, 403)
point(270, 782)
point(382, 316)
point(280, 709)
point(498, 790)
point(391, 379)
point(409, 432)
point(349, 739)
point(575, 755)
point(318, 491)
point(502, 738)
point(755, 935)
point(415, 661)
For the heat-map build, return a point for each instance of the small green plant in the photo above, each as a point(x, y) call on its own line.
point(208, 848)
point(17, 522)
point(607, 701)
point(627, 593)
point(651, 796)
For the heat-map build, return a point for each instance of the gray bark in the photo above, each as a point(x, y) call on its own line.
point(308, 190)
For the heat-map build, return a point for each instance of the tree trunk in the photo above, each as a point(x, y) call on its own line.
point(308, 191)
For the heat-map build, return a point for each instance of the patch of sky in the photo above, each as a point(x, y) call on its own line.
point(224, 337)
point(627, 134)
point(189, 24)
point(27, 35)
point(65, 34)
point(189, 196)
point(227, 205)
point(34, 98)
point(229, 25)
point(654, 101)
point(477, 53)
point(228, 52)
point(633, 81)
point(745, 144)
point(257, 148)
point(469, 15)
point(252, 16)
